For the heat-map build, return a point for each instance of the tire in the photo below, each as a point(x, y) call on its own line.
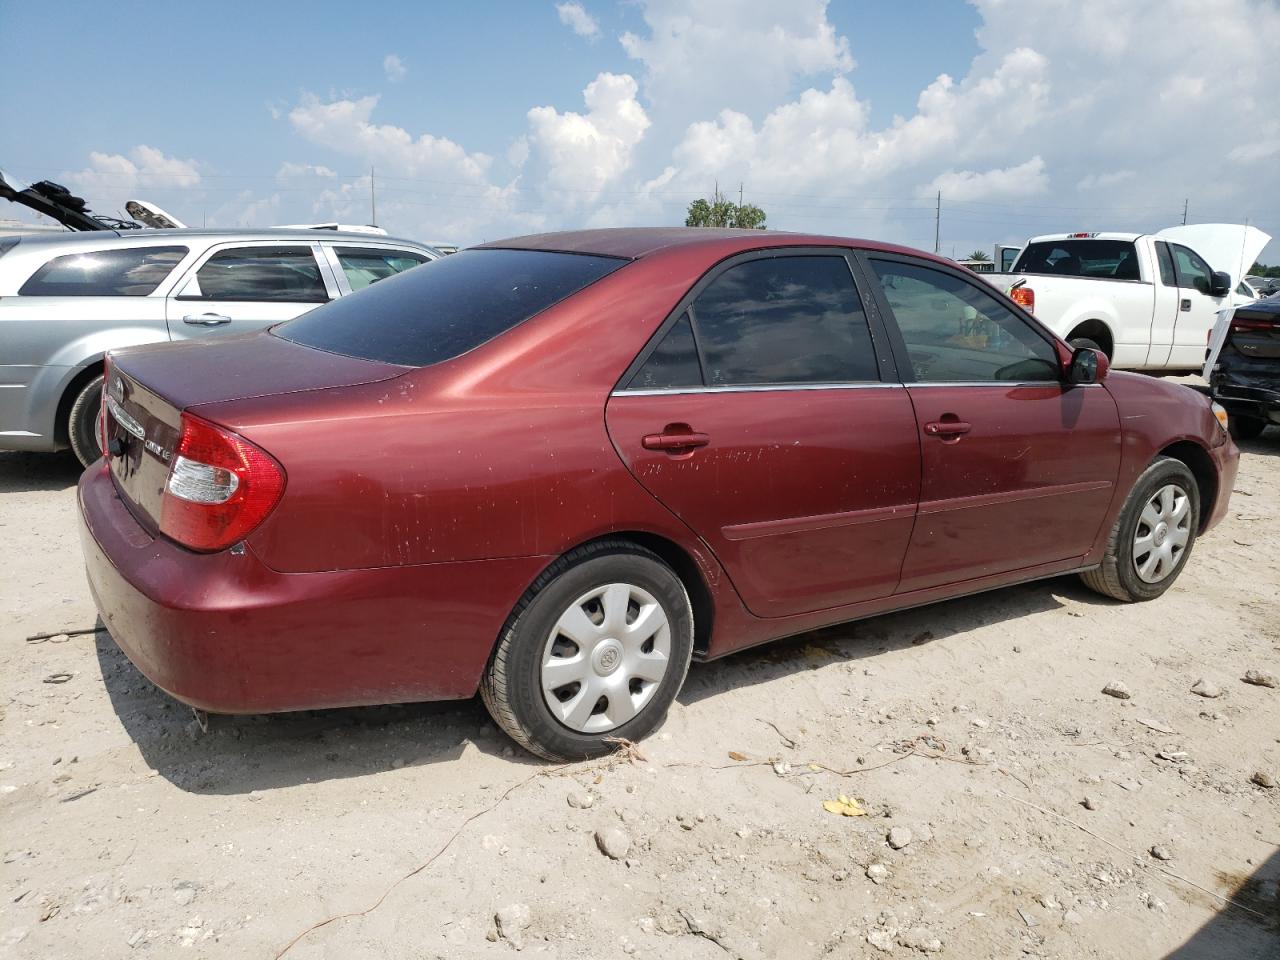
point(1082, 343)
point(82, 422)
point(532, 642)
point(1119, 575)
point(1245, 428)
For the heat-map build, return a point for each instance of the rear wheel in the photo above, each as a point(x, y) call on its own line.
point(1152, 539)
point(1084, 343)
point(595, 651)
point(82, 422)
point(1245, 428)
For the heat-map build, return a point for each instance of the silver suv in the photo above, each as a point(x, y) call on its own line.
point(66, 299)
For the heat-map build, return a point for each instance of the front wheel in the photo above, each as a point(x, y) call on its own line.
point(1153, 536)
point(82, 422)
point(595, 652)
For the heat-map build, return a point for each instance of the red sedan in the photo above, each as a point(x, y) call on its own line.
point(557, 468)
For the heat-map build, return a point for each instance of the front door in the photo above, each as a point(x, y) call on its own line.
point(759, 416)
point(238, 288)
point(1197, 309)
point(1018, 466)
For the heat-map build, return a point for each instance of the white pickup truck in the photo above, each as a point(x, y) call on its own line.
point(1147, 300)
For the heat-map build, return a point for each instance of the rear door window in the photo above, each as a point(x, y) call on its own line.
point(780, 320)
point(366, 265)
point(133, 272)
point(673, 364)
point(288, 274)
point(448, 306)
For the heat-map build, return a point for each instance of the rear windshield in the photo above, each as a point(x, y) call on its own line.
point(442, 309)
point(1109, 259)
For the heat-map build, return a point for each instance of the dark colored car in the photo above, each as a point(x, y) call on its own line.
point(1246, 376)
point(557, 468)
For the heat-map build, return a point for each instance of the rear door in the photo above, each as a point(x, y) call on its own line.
point(1197, 310)
point(1018, 467)
point(767, 415)
point(241, 287)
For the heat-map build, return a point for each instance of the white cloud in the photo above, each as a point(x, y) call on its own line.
point(1024, 180)
point(573, 16)
point(704, 56)
point(584, 152)
point(289, 170)
point(112, 178)
point(1096, 181)
point(394, 68)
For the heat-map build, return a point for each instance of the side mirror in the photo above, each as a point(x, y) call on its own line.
point(1220, 284)
point(1088, 366)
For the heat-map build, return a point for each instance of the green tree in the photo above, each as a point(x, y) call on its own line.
point(720, 211)
point(979, 256)
point(1262, 270)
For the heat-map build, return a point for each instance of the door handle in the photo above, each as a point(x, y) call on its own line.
point(1185, 306)
point(947, 428)
point(675, 441)
point(205, 319)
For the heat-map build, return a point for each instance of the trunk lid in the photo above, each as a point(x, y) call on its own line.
point(148, 388)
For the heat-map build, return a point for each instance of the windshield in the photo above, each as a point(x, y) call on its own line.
point(442, 309)
point(1109, 259)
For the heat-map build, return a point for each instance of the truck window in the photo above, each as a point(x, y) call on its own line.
point(1107, 259)
point(1193, 273)
point(1167, 275)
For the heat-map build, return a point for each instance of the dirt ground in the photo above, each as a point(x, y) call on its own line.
point(979, 725)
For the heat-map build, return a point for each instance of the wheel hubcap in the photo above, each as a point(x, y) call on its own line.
point(1164, 530)
point(605, 658)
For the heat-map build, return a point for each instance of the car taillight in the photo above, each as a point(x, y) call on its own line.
point(1251, 323)
point(1024, 297)
point(220, 487)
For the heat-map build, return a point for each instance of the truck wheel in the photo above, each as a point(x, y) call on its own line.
point(595, 652)
point(1245, 428)
point(1153, 536)
point(82, 422)
point(1083, 343)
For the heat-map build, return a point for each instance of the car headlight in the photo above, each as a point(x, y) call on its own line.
point(1220, 412)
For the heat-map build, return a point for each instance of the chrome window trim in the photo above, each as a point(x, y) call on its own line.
point(998, 383)
point(788, 387)
point(757, 388)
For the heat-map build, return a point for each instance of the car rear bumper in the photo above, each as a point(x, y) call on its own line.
point(1262, 401)
point(228, 634)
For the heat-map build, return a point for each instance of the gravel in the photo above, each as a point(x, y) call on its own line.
point(1118, 690)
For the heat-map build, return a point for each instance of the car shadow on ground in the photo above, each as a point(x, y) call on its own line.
point(38, 472)
point(1266, 444)
point(866, 639)
point(261, 752)
point(1247, 930)
point(240, 754)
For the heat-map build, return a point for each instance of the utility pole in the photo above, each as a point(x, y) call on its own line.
point(1184, 211)
point(937, 223)
point(373, 201)
point(739, 193)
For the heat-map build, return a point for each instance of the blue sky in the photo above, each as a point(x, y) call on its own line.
point(503, 118)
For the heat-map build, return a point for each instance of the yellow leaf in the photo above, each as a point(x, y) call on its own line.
point(815, 768)
point(735, 755)
point(844, 806)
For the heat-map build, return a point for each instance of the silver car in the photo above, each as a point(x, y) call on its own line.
point(66, 299)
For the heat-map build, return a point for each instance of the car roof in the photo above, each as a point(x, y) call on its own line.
point(633, 243)
point(1105, 235)
point(179, 234)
